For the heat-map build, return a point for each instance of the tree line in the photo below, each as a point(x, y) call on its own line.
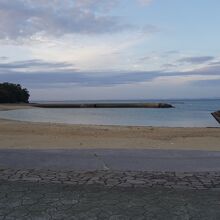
point(13, 93)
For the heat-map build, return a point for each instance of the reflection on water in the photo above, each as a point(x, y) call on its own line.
point(185, 114)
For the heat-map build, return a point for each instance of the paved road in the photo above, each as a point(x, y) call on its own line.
point(134, 160)
point(42, 194)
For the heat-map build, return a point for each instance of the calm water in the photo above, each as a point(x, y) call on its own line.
point(187, 113)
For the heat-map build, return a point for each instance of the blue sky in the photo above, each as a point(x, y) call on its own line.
point(118, 49)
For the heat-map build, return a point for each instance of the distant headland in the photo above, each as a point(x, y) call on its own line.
point(14, 93)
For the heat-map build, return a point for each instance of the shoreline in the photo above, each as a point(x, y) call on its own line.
point(104, 126)
point(37, 135)
point(8, 107)
point(43, 135)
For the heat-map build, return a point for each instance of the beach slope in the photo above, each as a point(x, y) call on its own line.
point(28, 135)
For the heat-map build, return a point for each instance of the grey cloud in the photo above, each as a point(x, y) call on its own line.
point(3, 58)
point(215, 63)
point(172, 52)
point(28, 64)
point(78, 78)
point(196, 60)
point(213, 82)
point(100, 5)
point(209, 70)
point(25, 18)
point(169, 65)
point(142, 59)
point(62, 76)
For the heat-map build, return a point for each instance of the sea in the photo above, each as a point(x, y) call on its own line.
point(187, 113)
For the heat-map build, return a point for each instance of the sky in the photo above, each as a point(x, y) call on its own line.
point(111, 49)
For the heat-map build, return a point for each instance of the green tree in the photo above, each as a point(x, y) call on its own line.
point(13, 93)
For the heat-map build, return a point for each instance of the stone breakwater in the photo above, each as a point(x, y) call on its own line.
point(115, 179)
point(105, 105)
point(216, 115)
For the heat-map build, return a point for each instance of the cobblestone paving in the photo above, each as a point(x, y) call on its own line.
point(111, 179)
point(37, 201)
point(46, 194)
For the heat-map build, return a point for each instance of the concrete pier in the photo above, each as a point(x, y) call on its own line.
point(105, 105)
point(216, 115)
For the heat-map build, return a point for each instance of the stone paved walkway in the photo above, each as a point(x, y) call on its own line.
point(38, 201)
point(111, 179)
point(114, 195)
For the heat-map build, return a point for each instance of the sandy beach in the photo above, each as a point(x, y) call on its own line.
point(28, 135)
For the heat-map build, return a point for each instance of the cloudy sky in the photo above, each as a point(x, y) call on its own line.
point(111, 49)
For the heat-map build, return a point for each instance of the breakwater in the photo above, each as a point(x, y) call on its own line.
point(105, 105)
point(216, 115)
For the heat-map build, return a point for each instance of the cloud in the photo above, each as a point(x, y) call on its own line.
point(171, 52)
point(26, 18)
point(168, 65)
point(196, 60)
point(3, 58)
point(100, 5)
point(208, 70)
point(29, 64)
point(215, 63)
point(66, 77)
point(207, 83)
point(54, 76)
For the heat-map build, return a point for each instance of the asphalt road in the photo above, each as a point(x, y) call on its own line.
point(97, 159)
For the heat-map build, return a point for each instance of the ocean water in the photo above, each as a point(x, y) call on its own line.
point(187, 113)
